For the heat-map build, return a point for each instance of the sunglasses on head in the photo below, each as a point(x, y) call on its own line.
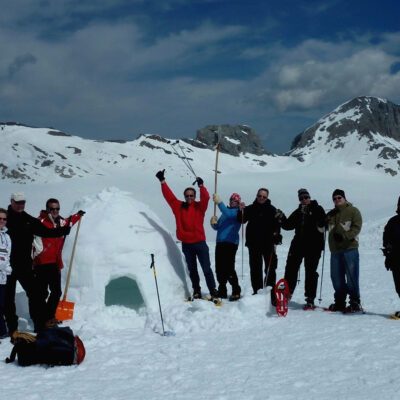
point(3, 219)
point(337, 198)
point(305, 197)
point(54, 208)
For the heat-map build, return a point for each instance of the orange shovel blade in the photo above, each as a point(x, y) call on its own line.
point(65, 310)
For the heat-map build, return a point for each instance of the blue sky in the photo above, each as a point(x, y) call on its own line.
point(114, 69)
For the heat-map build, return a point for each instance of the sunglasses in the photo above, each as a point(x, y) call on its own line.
point(189, 195)
point(337, 198)
point(3, 219)
point(54, 209)
point(20, 202)
point(260, 196)
point(304, 197)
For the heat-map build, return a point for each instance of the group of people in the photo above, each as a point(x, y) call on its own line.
point(31, 254)
point(264, 222)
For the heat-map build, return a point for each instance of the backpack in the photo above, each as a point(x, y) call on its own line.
point(53, 346)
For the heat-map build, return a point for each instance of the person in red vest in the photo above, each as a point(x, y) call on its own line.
point(189, 217)
point(47, 259)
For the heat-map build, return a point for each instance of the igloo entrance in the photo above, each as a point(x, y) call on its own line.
point(124, 291)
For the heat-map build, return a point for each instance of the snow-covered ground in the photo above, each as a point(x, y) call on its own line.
point(239, 351)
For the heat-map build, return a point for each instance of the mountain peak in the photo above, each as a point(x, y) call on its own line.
point(363, 130)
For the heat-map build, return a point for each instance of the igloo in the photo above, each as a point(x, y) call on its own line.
point(112, 261)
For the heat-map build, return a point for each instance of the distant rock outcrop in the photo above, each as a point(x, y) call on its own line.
point(234, 140)
point(369, 125)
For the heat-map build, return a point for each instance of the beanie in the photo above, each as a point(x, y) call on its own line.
point(338, 192)
point(302, 193)
point(236, 197)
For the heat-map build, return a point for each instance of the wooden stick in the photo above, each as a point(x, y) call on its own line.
point(216, 176)
point(71, 261)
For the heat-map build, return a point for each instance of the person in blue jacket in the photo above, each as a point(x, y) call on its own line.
point(227, 227)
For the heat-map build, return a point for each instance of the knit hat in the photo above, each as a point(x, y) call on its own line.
point(302, 192)
point(236, 197)
point(338, 192)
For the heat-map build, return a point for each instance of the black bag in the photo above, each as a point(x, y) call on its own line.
point(53, 346)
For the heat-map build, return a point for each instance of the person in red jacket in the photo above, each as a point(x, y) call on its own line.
point(47, 259)
point(189, 217)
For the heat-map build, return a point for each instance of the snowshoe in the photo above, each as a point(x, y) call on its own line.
point(396, 315)
point(282, 296)
point(309, 305)
point(335, 307)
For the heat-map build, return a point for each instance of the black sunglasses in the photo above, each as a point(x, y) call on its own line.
point(54, 209)
point(260, 196)
point(337, 198)
point(3, 219)
point(189, 195)
point(304, 197)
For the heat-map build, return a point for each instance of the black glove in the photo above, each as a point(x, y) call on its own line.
point(337, 237)
point(160, 175)
point(199, 181)
point(277, 239)
point(81, 213)
point(65, 230)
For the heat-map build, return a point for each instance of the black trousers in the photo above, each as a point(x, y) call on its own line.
point(256, 257)
point(48, 278)
point(311, 259)
point(24, 275)
point(225, 253)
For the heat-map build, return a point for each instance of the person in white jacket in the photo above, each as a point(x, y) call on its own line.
point(5, 268)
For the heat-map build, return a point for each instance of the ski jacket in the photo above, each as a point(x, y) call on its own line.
point(391, 236)
point(21, 228)
point(344, 224)
point(262, 225)
point(308, 221)
point(227, 226)
point(51, 248)
point(190, 219)
point(5, 251)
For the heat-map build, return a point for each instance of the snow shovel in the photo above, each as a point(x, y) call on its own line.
point(65, 309)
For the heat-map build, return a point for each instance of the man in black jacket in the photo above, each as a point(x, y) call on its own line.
point(308, 221)
point(21, 228)
point(391, 249)
point(262, 233)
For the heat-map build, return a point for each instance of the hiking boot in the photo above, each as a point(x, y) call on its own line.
point(51, 323)
point(309, 304)
point(234, 297)
point(197, 294)
point(354, 307)
point(337, 307)
point(214, 294)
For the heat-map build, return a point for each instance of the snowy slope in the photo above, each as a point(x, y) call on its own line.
point(239, 351)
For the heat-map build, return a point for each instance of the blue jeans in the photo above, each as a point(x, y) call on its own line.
point(345, 270)
point(201, 251)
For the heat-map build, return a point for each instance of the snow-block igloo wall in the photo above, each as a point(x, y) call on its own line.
point(117, 236)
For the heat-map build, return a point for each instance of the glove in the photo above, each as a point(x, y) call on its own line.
point(160, 175)
point(216, 198)
point(199, 181)
point(279, 215)
point(214, 220)
point(65, 230)
point(81, 213)
point(277, 239)
point(337, 237)
point(22, 337)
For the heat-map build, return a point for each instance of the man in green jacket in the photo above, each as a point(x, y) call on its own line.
point(344, 224)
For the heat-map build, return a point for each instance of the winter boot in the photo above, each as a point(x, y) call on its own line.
point(337, 307)
point(214, 294)
point(273, 297)
point(309, 304)
point(234, 297)
point(223, 294)
point(354, 307)
point(197, 294)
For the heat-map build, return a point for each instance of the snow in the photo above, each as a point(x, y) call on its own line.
point(234, 141)
point(241, 350)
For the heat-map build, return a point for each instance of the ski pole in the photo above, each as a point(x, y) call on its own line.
point(187, 160)
point(242, 240)
point(152, 266)
point(216, 177)
point(182, 158)
point(269, 266)
point(322, 272)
